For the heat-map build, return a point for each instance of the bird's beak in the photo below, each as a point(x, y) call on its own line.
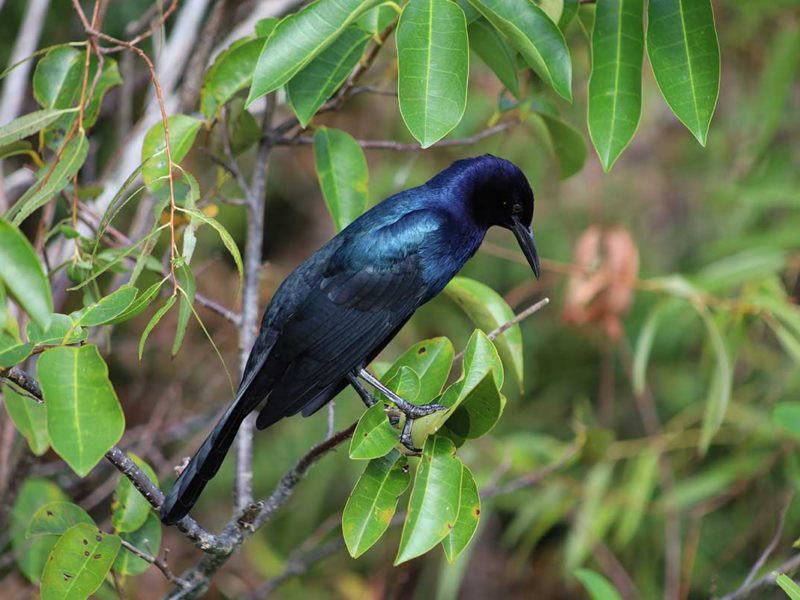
point(524, 236)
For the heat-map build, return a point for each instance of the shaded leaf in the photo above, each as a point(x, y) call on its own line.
point(140, 304)
point(719, 392)
point(433, 68)
point(23, 275)
point(189, 286)
point(108, 308)
point(29, 417)
point(29, 124)
point(343, 176)
point(373, 501)
point(31, 554)
point(232, 71)
point(84, 418)
point(435, 499)
point(79, 563)
point(684, 53)
point(58, 77)
point(130, 509)
point(469, 514)
point(639, 486)
point(599, 587)
point(644, 344)
point(479, 412)
point(374, 21)
point(13, 351)
point(490, 46)
point(569, 145)
point(226, 238)
point(147, 539)
point(62, 330)
point(54, 518)
point(154, 321)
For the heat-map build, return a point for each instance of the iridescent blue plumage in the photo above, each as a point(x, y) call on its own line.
point(340, 308)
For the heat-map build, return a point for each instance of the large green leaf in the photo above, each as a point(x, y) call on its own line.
point(29, 124)
point(182, 132)
point(31, 554)
point(54, 518)
point(29, 417)
point(78, 563)
point(130, 509)
point(599, 587)
point(435, 499)
point(51, 178)
point(488, 311)
point(299, 38)
point(58, 77)
point(147, 539)
point(84, 418)
point(684, 52)
point(569, 145)
point(490, 46)
point(431, 360)
point(479, 412)
point(537, 38)
point(469, 514)
point(311, 87)
point(373, 501)
point(343, 175)
point(615, 86)
point(232, 71)
point(433, 68)
point(22, 274)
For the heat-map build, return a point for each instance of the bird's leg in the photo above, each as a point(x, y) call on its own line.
point(412, 411)
point(366, 397)
point(405, 436)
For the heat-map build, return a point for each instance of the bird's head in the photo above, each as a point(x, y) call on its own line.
point(498, 193)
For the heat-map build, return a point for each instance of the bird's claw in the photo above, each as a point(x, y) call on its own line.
point(415, 411)
point(405, 437)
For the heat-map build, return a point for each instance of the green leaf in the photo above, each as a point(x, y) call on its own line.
point(84, 418)
point(58, 77)
point(301, 37)
point(51, 179)
point(469, 514)
point(788, 585)
point(479, 412)
point(615, 86)
point(62, 330)
point(140, 304)
point(31, 554)
point(15, 149)
point(431, 360)
point(147, 539)
point(154, 321)
point(787, 415)
point(108, 308)
point(373, 501)
point(29, 124)
point(569, 145)
point(488, 311)
point(374, 435)
point(638, 489)
point(599, 587)
point(189, 286)
point(265, 26)
point(433, 68)
point(130, 509)
point(342, 173)
point(591, 520)
point(492, 49)
point(29, 418)
point(312, 86)
point(435, 499)
point(23, 275)
point(12, 351)
point(568, 14)
point(182, 133)
point(535, 36)
point(374, 21)
point(719, 392)
point(78, 563)
point(552, 8)
point(109, 78)
point(226, 238)
point(54, 518)
point(644, 344)
point(232, 71)
point(684, 52)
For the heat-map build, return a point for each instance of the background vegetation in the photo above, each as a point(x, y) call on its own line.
point(654, 440)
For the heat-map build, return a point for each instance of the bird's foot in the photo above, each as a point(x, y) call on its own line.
point(405, 437)
point(415, 411)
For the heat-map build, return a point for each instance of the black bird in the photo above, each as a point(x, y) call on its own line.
point(332, 316)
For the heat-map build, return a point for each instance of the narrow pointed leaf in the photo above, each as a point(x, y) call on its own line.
point(189, 286)
point(29, 124)
point(312, 86)
point(433, 68)
point(84, 418)
point(29, 417)
point(684, 53)
point(55, 518)
point(23, 275)
point(789, 586)
point(130, 509)
point(373, 501)
point(159, 314)
point(227, 240)
point(342, 173)
point(599, 587)
point(644, 344)
point(719, 391)
point(79, 563)
point(615, 86)
point(300, 38)
point(536, 37)
point(147, 539)
point(435, 499)
point(492, 49)
point(469, 514)
point(488, 311)
point(51, 179)
point(182, 133)
point(232, 71)
point(638, 489)
point(140, 304)
point(107, 308)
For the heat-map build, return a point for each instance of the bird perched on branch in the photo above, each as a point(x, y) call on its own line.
point(333, 315)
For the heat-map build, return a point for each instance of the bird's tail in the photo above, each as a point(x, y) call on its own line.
point(204, 464)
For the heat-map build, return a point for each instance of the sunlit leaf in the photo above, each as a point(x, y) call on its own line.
point(182, 133)
point(140, 304)
point(189, 287)
point(22, 274)
point(108, 307)
point(373, 502)
point(226, 238)
point(433, 68)
point(29, 124)
point(599, 587)
point(232, 71)
point(431, 361)
point(84, 418)
point(788, 585)
point(468, 517)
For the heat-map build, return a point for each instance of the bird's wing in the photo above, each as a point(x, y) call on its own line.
point(369, 288)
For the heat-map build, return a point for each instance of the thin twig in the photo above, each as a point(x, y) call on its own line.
point(786, 567)
point(159, 563)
